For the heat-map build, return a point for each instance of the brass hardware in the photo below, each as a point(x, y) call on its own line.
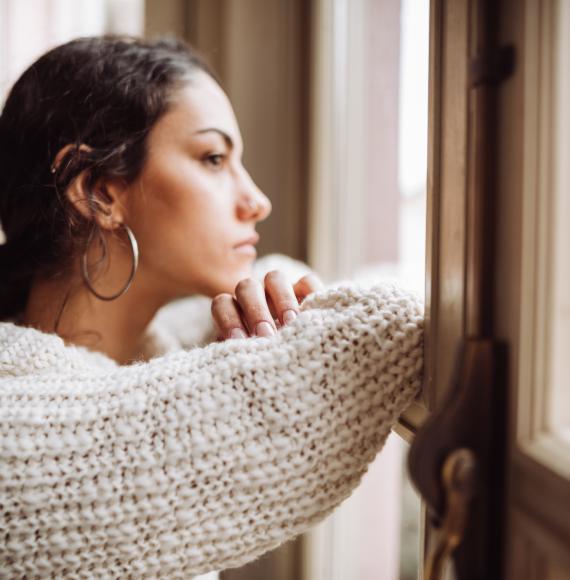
point(458, 477)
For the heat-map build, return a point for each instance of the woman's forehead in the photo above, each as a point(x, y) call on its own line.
point(202, 103)
point(197, 106)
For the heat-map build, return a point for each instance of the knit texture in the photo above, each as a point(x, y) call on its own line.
point(200, 458)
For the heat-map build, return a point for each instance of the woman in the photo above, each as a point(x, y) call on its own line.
point(132, 446)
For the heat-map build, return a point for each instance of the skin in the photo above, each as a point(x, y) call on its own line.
point(189, 207)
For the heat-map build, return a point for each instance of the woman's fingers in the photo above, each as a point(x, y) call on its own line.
point(250, 295)
point(259, 309)
point(281, 297)
point(227, 316)
point(307, 285)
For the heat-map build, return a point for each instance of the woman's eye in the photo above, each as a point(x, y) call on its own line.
point(215, 160)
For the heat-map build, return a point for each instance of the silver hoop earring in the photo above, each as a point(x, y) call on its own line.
point(135, 254)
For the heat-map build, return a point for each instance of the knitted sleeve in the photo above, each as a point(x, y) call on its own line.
point(204, 459)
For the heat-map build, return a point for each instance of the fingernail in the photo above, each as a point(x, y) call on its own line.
point(237, 333)
point(289, 316)
point(264, 329)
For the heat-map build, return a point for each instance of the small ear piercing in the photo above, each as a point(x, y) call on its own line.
point(52, 169)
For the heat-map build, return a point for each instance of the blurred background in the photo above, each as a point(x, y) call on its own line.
point(332, 100)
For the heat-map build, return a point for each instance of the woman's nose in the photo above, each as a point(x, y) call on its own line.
point(253, 203)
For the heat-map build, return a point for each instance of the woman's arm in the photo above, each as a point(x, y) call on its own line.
point(204, 459)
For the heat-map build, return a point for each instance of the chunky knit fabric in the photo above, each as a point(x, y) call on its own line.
point(199, 458)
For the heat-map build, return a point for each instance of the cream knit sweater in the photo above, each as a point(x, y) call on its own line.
point(200, 458)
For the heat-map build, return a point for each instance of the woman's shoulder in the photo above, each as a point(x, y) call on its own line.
point(26, 351)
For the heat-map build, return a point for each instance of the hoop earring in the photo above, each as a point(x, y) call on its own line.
point(135, 254)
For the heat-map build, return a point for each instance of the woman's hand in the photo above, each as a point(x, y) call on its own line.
point(256, 310)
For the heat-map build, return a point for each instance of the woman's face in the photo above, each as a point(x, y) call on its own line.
point(189, 207)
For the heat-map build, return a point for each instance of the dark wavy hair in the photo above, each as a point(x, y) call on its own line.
point(105, 93)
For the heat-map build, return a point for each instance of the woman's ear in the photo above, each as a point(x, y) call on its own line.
point(101, 201)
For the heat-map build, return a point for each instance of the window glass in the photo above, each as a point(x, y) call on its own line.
point(396, 98)
point(368, 224)
point(557, 296)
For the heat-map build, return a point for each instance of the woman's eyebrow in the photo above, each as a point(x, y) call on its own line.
point(229, 141)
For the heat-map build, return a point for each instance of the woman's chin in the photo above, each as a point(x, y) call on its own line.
point(222, 280)
point(229, 284)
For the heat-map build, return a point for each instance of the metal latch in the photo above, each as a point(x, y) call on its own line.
point(458, 478)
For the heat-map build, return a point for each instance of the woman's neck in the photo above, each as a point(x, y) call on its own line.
point(115, 328)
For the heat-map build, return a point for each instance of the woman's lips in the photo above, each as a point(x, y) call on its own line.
point(247, 246)
point(252, 240)
point(247, 249)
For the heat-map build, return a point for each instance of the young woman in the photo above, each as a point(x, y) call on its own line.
point(133, 443)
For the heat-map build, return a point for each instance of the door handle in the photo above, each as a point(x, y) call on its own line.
point(458, 479)
point(456, 463)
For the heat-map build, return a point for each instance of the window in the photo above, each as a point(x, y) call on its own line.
point(367, 221)
point(543, 414)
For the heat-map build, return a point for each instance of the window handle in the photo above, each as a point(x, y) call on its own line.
point(456, 462)
point(458, 479)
